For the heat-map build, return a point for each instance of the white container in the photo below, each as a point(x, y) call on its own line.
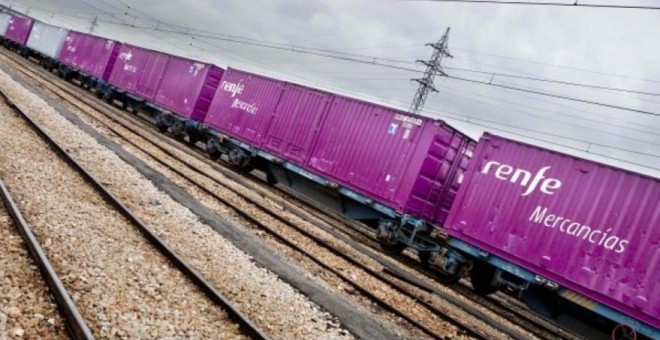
point(47, 39)
point(4, 22)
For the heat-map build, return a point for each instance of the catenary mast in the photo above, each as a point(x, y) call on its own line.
point(433, 68)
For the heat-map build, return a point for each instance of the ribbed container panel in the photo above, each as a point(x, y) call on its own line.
point(587, 226)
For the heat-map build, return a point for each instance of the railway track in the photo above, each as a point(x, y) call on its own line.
point(195, 288)
point(74, 322)
point(358, 235)
point(429, 311)
point(403, 282)
point(498, 303)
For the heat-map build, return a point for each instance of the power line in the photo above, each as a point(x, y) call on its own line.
point(514, 88)
point(371, 59)
point(471, 122)
point(588, 128)
point(377, 58)
point(531, 3)
point(559, 66)
point(598, 87)
point(303, 50)
point(609, 118)
point(373, 62)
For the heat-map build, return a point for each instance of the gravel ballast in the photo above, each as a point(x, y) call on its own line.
point(123, 287)
point(270, 303)
point(391, 322)
point(26, 308)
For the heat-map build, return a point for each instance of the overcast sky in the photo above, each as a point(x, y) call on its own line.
point(605, 47)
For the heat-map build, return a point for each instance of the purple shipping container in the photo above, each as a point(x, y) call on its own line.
point(409, 163)
point(90, 54)
point(184, 86)
point(19, 29)
point(187, 87)
point(129, 67)
point(151, 75)
point(590, 227)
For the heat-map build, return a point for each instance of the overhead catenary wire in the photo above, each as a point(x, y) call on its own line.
point(586, 128)
point(378, 58)
point(373, 62)
point(558, 96)
point(299, 50)
point(545, 80)
point(376, 63)
point(608, 74)
point(189, 31)
point(556, 4)
point(608, 119)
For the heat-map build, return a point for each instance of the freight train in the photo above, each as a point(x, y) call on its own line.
point(577, 241)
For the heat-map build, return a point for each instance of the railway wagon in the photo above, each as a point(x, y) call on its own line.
point(372, 163)
point(4, 22)
point(591, 229)
point(175, 91)
point(87, 58)
point(17, 33)
point(44, 43)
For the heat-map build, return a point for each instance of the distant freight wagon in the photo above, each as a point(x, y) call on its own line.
point(176, 91)
point(45, 43)
point(17, 32)
point(87, 58)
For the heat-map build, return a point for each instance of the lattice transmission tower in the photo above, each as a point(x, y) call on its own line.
point(433, 68)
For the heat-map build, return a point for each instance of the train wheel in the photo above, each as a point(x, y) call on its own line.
point(192, 140)
point(446, 278)
point(239, 160)
point(214, 155)
point(213, 148)
point(392, 248)
point(424, 257)
point(442, 276)
point(162, 128)
point(178, 129)
point(481, 277)
point(623, 332)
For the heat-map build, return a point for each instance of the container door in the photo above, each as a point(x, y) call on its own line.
point(295, 122)
point(151, 75)
point(439, 176)
point(182, 82)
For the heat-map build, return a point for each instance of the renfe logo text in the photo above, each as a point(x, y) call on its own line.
point(524, 177)
point(233, 88)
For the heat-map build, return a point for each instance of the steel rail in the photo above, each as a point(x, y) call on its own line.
point(76, 324)
point(246, 215)
point(245, 324)
point(363, 234)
